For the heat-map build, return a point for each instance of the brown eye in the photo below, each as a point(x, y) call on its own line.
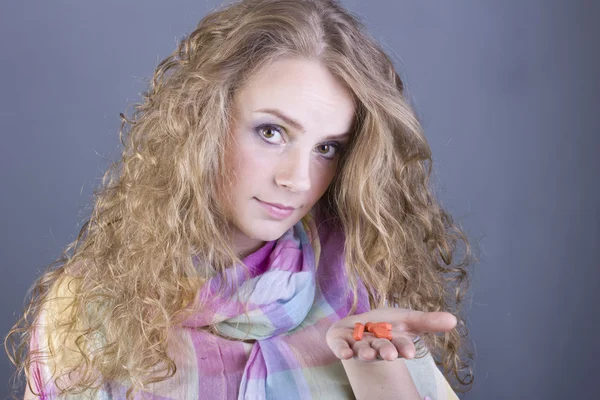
point(324, 147)
point(268, 133)
point(329, 150)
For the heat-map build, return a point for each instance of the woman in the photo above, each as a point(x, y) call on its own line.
point(272, 193)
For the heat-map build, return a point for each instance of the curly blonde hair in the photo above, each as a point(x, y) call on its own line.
point(131, 275)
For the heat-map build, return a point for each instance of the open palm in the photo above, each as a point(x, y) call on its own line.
point(406, 326)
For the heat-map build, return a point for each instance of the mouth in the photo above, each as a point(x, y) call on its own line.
point(277, 205)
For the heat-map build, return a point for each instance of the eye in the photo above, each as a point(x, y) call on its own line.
point(329, 150)
point(268, 132)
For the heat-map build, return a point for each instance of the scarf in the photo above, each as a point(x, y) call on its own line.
point(274, 348)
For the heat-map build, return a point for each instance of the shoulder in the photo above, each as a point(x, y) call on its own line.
point(53, 343)
point(60, 302)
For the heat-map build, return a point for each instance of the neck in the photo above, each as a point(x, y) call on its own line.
point(244, 246)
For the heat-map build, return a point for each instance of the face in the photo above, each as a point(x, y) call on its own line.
point(291, 122)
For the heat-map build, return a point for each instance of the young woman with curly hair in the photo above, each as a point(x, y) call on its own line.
point(272, 193)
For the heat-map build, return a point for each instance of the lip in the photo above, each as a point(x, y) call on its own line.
point(281, 206)
point(275, 210)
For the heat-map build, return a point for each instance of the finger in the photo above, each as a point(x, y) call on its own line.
point(435, 321)
point(363, 351)
point(405, 346)
point(341, 348)
point(385, 349)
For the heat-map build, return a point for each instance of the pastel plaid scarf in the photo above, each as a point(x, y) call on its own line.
point(287, 315)
point(296, 290)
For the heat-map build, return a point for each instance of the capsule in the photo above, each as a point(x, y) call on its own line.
point(385, 325)
point(368, 326)
point(381, 332)
point(359, 329)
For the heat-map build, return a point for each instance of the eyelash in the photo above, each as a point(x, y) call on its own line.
point(337, 145)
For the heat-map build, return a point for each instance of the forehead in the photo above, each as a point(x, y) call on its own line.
point(302, 89)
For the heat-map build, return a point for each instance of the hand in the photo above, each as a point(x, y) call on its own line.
point(406, 326)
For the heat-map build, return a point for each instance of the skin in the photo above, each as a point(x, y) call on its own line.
point(282, 163)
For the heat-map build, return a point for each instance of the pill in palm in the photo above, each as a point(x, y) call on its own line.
point(381, 332)
point(359, 329)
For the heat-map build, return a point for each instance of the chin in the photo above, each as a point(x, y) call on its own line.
point(270, 230)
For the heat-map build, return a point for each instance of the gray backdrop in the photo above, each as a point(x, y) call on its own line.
point(508, 93)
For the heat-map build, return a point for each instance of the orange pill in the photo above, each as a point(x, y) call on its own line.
point(385, 325)
point(368, 326)
point(358, 331)
point(381, 332)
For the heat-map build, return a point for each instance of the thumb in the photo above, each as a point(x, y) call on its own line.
point(435, 321)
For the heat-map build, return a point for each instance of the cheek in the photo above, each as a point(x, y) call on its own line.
point(254, 163)
point(251, 167)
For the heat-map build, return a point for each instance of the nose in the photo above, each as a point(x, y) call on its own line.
point(293, 172)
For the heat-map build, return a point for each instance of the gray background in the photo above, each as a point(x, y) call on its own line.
point(508, 93)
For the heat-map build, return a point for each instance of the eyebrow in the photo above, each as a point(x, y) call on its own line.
point(295, 124)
